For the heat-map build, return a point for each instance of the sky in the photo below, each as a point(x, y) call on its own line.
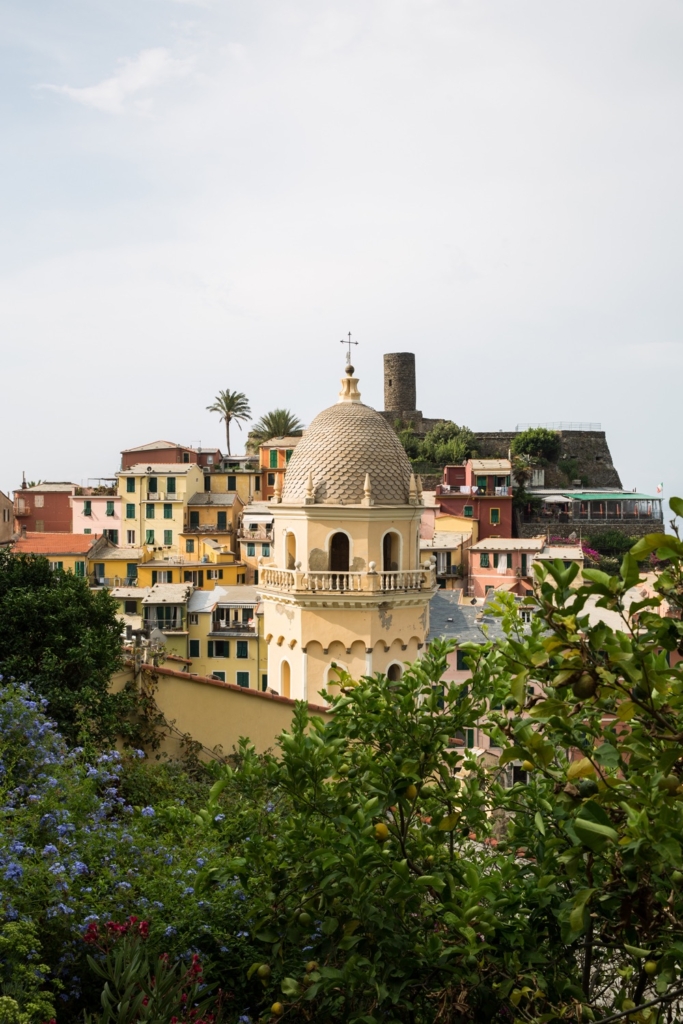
point(207, 194)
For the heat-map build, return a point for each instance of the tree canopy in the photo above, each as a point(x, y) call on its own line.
point(537, 442)
point(277, 423)
point(231, 405)
point(446, 443)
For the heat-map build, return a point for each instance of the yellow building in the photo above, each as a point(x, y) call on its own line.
point(255, 537)
point(164, 609)
point(214, 514)
point(116, 567)
point(346, 586)
point(225, 640)
point(205, 564)
point(154, 502)
point(237, 474)
point(130, 604)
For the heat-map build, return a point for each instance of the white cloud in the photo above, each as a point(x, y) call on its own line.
point(114, 95)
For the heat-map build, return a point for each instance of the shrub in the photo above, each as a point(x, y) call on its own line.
point(538, 442)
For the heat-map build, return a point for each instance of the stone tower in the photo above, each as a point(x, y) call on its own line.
point(400, 393)
point(346, 586)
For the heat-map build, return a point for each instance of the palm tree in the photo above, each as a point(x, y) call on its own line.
point(231, 405)
point(278, 423)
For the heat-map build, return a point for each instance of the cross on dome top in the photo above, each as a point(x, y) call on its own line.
point(349, 391)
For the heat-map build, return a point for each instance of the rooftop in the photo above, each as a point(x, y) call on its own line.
point(159, 468)
point(281, 442)
point(567, 551)
point(208, 498)
point(61, 488)
point(234, 597)
point(464, 623)
point(122, 554)
point(121, 593)
point(510, 544)
point(444, 540)
point(169, 593)
point(157, 445)
point(491, 465)
point(55, 543)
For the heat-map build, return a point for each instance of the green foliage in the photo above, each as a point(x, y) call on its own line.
point(231, 406)
point(63, 637)
point(538, 442)
point(445, 444)
point(278, 423)
point(24, 999)
point(611, 542)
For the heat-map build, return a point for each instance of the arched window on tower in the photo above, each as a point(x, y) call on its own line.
point(339, 553)
point(390, 552)
point(394, 673)
point(285, 679)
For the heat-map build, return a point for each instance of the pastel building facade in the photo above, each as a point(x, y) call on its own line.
point(99, 513)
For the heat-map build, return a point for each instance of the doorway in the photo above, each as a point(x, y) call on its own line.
point(339, 553)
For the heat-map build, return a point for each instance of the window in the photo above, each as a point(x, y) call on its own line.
point(40, 527)
point(207, 482)
point(130, 485)
point(130, 607)
point(194, 518)
point(79, 569)
point(460, 663)
point(99, 570)
point(168, 511)
point(257, 483)
point(495, 561)
point(503, 561)
point(56, 565)
point(214, 574)
point(130, 536)
point(251, 550)
point(130, 511)
point(194, 648)
point(271, 479)
point(110, 508)
point(519, 775)
point(132, 570)
point(152, 485)
point(186, 456)
point(265, 550)
point(219, 648)
point(162, 576)
point(484, 559)
point(112, 535)
point(193, 618)
point(209, 460)
point(168, 538)
point(222, 520)
point(495, 516)
point(170, 485)
point(242, 648)
point(525, 571)
point(87, 508)
point(149, 511)
point(481, 482)
point(232, 483)
point(149, 536)
point(255, 576)
point(243, 679)
point(273, 458)
point(264, 682)
point(508, 561)
point(40, 500)
point(194, 576)
point(247, 614)
point(288, 454)
point(219, 675)
point(189, 547)
point(468, 511)
point(241, 577)
point(469, 738)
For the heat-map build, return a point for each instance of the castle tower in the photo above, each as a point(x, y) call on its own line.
point(400, 392)
point(347, 585)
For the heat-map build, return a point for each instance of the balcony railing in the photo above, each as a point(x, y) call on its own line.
point(474, 492)
point(22, 509)
point(265, 534)
point(173, 624)
point(292, 581)
point(233, 628)
point(207, 528)
point(627, 510)
point(163, 496)
point(113, 581)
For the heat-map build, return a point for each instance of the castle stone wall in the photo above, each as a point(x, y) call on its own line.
point(400, 391)
point(587, 448)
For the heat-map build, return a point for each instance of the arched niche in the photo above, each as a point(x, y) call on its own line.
point(394, 672)
point(285, 679)
point(290, 546)
point(339, 552)
point(391, 551)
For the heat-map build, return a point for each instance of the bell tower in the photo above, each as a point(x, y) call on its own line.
point(346, 586)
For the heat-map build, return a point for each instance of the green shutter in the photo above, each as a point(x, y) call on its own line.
point(168, 511)
point(242, 648)
point(132, 571)
point(243, 679)
point(194, 518)
point(288, 454)
point(170, 485)
point(495, 516)
point(222, 520)
point(149, 511)
point(524, 564)
point(88, 530)
point(232, 483)
point(509, 561)
point(79, 568)
point(265, 550)
point(210, 646)
point(495, 561)
point(130, 485)
point(273, 458)
point(149, 536)
point(251, 550)
point(130, 511)
point(87, 508)
point(484, 559)
point(154, 576)
point(468, 510)
point(194, 648)
point(168, 537)
point(189, 547)
point(110, 508)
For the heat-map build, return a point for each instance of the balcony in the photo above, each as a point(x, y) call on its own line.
point(476, 492)
point(622, 510)
point(22, 508)
point(207, 528)
point(403, 581)
point(219, 626)
point(265, 534)
point(163, 496)
point(173, 623)
point(113, 581)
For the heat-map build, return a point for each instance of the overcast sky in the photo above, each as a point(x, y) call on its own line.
point(209, 194)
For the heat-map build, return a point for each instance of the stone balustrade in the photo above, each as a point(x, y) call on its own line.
point(299, 581)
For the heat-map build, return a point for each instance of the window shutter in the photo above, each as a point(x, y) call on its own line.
point(273, 458)
point(168, 511)
point(170, 485)
point(201, 577)
point(210, 646)
point(130, 511)
point(154, 576)
point(509, 561)
point(130, 485)
point(222, 520)
point(194, 648)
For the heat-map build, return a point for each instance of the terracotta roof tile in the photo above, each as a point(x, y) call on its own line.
point(54, 543)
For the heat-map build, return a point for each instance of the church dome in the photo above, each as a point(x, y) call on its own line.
point(342, 445)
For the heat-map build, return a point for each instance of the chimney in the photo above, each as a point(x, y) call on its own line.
point(23, 531)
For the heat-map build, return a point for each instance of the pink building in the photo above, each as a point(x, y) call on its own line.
point(505, 563)
point(99, 514)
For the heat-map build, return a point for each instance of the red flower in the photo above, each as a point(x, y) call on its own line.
point(143, 929)
point(91, 935)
